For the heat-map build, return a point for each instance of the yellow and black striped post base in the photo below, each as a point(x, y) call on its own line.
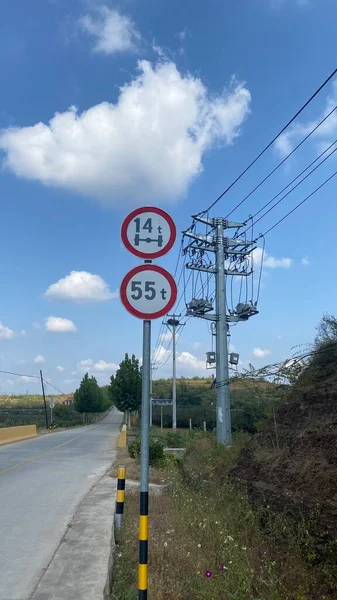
point(143, 545)
point(120, 497)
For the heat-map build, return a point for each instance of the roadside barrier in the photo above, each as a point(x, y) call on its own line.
point(120, 499)
point(143, 546)
point(15, 434)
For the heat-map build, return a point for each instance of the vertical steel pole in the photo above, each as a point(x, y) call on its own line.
point(161, 417)
point(144, 464)
point(174, 376)
point(151, 408)
point(223, 415)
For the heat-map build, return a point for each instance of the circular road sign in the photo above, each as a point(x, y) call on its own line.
point(148, 232)
point(148, 292)
point(51, 402)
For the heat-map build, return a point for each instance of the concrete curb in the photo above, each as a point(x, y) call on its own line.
point(82, 565)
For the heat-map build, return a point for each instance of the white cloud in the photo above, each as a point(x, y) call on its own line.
point(182, 35)
point(102, 365)
point(25, 379)
point(259, 353)
point(84, 365)
point(5, 332)
point(324, 134)
point(59, 325)
point(270, 261)
point(274, 263)
point(88, 365)
point(36, 325)
point(305, 261)
point(60, 369)
point(39, 359)
point(150, 144)
point(111, 31)
point(160, 355)
point(81, 286)
point(190, 363)
point(23, 333)
point(70, 380)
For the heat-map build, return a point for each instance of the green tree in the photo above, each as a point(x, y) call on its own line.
point(106, 397)
point(88, 397)
point(126, 386)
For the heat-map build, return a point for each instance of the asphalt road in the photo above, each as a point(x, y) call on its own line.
point(42, 481)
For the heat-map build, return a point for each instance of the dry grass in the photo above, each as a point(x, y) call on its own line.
point(30, 400)
point(200, 524)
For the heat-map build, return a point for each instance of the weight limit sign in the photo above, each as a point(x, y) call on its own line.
point(148, 232)
point(148, 292)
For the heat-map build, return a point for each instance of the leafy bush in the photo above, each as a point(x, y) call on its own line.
point(134, 449)
point(156, 451)
point(175, 439)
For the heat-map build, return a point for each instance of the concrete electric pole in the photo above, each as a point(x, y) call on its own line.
point(173, 323)
point(228, 251)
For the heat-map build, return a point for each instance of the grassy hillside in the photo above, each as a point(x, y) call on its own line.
point(289, 469)
point(30, 401)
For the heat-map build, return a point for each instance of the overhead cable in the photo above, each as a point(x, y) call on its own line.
point(292, 189)
point(272, 142)
point(282, 162)
point(300, 203)
point(20, 374)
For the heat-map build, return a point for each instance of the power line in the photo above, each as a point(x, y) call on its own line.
point(53, 386)
point(20, 374)
point(297, 176)
point(271, 143)
point(300, 203)
point(282, 162)
point(290, 191)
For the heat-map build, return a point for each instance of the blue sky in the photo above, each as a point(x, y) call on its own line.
point(104, 107)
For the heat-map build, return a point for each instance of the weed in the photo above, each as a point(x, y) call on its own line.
point(205, 539)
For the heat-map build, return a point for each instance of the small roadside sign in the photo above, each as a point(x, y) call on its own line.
point(148, 292)
point(162, 401)
point(51, 402)
point(148, 232)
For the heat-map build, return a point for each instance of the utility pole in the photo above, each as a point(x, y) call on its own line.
point(44, 400)
point(228, 252)
point(224, 427)
point(174, 323)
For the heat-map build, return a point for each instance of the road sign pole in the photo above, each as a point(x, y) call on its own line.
point(144, 464)
point(147, 292)
point(51, 415)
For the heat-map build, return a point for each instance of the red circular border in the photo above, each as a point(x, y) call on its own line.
point(139, 211)
point(137, 313)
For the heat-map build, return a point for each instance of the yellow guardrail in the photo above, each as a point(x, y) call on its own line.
point(15, 434)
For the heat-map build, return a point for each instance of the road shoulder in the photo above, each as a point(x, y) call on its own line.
point(81, 566)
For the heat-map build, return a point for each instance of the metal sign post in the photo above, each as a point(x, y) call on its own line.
point(147, 292)
point(162, 402)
